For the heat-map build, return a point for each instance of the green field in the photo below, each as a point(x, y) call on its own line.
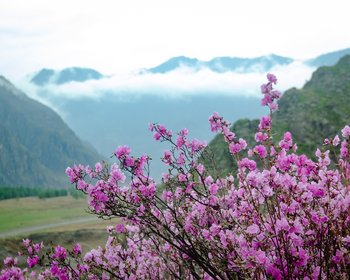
point(29, 211)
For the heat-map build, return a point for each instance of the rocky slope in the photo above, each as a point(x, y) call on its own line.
point(317, 111)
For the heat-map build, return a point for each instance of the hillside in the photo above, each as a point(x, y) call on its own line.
point(317, 111)
point(36, 146)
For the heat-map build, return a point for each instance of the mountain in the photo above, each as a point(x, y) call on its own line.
point(223, 64)
point(174, 63)
point(328, 59)
point(36, 146)
point(317, 111)
point(73, 74)
point(118, 114)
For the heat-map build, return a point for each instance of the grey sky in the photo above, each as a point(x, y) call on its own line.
point(116, 36)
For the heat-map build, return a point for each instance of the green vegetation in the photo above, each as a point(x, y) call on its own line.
point(76, 194)
point(29, 211)
point(36, 146)
point(9, 192)
point(12, 192)
point(317, 111)
point(52, 193)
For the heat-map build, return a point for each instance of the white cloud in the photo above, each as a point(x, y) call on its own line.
point(176, 84)
point(110, 35)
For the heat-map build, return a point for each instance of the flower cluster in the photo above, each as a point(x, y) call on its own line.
point(269, 94)
point(289, 219)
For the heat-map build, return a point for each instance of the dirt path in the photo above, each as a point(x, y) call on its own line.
point(19, 231)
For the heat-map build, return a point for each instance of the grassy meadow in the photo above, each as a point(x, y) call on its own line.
point(30, 211)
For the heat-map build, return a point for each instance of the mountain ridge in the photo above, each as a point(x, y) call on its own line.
point(317, 111)
point(72, 74)
point(47, 144)
point(223, 64)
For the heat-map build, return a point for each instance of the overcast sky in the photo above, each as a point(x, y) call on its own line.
point(117, 36)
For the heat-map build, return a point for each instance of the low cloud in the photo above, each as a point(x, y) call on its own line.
point(179, 83)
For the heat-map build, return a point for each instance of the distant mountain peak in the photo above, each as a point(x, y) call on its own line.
point(174, 63)
point(327, 59)
point(72, 74)
point(223, 64)
point(42, 77)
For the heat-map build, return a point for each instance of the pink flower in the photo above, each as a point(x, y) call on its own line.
point(33, 274)
point(120, 228)
point(81, 185)
point(179, 141)
point(7, 261)
point(77, 248)
point(129, 161)
point(346, 131)
point(36, 248)
point(243, 143)
point(184, 132)
point(200, 168)
point(215, 122)
point(209, 180)
point(157, 136)
point(282, 225)
point(273, 151)
point(287, 136)
point(274, 106)
point(213, 189)
point(228, 133)
point(265, 89)
point(181, 160)
point(318, 153)
point(343, 149)
point(250, 153)
point(260, 137)
point(98, 168)
point(165, 176)
point(263, 102)
point(276, 94)
point(26, 242)
point(32, 261)
point(235, 148)
point(264, 122)
point(261, 150)
point(206, 233)
point(253, 229)
point(183, 177)
point(336, 141)
point(60, 252)
point(122, 151)
point(150, 126)
point(272, 78)
point(261, 258)
point(162, 129)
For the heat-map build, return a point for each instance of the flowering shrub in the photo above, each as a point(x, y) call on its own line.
point(289, 220)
